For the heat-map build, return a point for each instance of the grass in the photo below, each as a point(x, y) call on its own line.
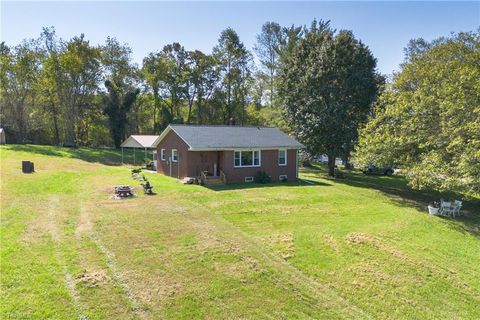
point(362, 247)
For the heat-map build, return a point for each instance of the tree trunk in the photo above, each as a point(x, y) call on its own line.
point(155, 109)
point(271, 88)
point(56, 130)
point(346, 162)
point(331, 165)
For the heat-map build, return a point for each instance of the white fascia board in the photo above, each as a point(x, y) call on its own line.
point(243, 149)
point(164, 134)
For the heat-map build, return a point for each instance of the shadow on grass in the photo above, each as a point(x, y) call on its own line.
point(253, 185)
point(399, 191)
point(109, 157)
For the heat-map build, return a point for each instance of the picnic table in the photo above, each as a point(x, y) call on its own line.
point(124, 191)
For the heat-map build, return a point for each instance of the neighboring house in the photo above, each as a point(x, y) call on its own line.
point(233, 153)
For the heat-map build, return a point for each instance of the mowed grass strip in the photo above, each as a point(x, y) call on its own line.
point(358, 248)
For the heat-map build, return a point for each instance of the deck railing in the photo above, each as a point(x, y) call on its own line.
point(223, 176)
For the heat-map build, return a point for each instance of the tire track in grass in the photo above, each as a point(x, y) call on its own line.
point(53, 206)
point(111, 263)
point(324, 295)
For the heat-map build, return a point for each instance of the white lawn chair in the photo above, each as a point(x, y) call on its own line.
point(446, 208)
point(457, 207)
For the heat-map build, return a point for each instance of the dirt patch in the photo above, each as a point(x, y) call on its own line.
point(332, 242)
point(92, 279)
point(282, 243)
point(362, 238)
point(158, 288)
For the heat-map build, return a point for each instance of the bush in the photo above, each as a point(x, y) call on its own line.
point(284, 179)
point(150, 165)
point(263, 177)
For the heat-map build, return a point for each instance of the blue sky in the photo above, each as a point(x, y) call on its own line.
point(386, 27)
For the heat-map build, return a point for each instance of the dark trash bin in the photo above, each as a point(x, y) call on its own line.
point(27, 167)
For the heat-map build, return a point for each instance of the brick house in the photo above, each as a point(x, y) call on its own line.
point(226, 154)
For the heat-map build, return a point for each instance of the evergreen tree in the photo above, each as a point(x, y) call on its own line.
point(328, 85)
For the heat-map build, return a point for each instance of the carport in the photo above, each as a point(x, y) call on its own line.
point(140, 142)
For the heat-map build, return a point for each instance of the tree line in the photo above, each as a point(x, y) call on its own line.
point(70, 92)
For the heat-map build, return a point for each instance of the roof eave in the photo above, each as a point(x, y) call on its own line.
point(244, 148)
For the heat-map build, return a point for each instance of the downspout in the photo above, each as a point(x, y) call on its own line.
point(296, 164)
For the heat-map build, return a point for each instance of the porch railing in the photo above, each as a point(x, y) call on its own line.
point(223, 176)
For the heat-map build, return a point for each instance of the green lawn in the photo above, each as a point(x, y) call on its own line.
point(363, 247)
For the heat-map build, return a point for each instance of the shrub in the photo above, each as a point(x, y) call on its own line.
point(284, 179)
point(262, 177)
point(150, 165)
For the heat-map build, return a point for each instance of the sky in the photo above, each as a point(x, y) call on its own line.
point(384, 26)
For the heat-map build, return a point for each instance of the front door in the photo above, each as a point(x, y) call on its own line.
point(208, 162)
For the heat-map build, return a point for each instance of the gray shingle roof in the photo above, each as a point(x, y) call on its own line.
point(226, 137)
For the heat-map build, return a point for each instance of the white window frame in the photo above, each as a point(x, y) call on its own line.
point(253, 158)
point(286, 153)
point(249, 179)
point(162, 154)
point(173, 155)
point(280, 177)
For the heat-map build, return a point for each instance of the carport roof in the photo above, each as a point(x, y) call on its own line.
point(140, 141)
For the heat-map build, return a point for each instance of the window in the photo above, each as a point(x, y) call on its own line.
point(248, 179)
point(174, 155)
point(247, 158)
point(162, 154)
point(282, 157)
point(283, 177)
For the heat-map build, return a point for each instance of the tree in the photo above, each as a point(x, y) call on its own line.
point(47, 84)
point(328, 84)
point(20, 69)
point(117, 106)
point(202, 78)
point(77, 84)
point(116, 63)
point(166, 75)
point(267, 49)
point(427, 121)
point(174, 78)
point(152, 73)
point(234, 62)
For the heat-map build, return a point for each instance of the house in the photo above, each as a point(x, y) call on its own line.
point(226, 154)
